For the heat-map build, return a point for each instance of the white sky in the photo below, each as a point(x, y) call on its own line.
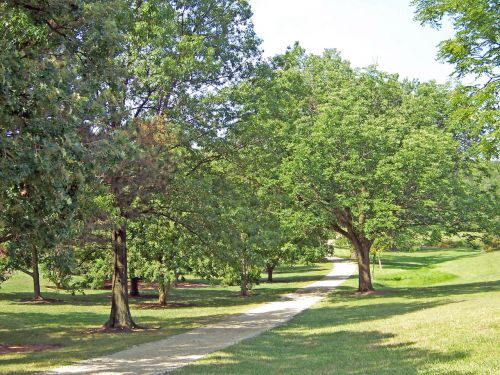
point(366, 32)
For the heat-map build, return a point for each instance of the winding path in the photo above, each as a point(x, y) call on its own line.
point(166, 355)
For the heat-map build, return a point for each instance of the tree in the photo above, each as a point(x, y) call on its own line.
point(44, 61)
point(475, 51)
point(176, 53)
point(368, 158)
point(161, 253)
point(262, 103)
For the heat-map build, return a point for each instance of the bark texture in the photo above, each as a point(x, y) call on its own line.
point(270, 270)
point(243, 284)
point(120, 317)
point(364, 276)
point(163, 289)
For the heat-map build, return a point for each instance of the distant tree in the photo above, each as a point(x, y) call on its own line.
point(240, 231)
point(266, 107)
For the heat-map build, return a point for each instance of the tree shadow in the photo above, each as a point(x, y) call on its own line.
point(346, 293)
point(338, 315)
point(74, 339)
point(341, 352)
point(315, 343)
point(408, 261)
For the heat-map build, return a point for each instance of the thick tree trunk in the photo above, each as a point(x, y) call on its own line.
point(364, 277)
point(134, 286)
point(35, 274)
point(270, 270)
point(120, 317)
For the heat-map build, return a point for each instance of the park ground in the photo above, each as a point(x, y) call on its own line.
point(70, 322)
point(435, 312)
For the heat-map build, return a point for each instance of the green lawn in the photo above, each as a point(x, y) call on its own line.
point(67, 323)
point(436, 312)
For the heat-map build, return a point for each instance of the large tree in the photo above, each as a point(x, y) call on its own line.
point(46, 52)
point(176, 55)
point(361, 153)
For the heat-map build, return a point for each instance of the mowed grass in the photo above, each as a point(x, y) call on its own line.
point(68, 323)
point(436, 312)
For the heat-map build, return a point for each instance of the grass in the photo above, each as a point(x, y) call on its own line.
point(436, 312)
point(67, 323)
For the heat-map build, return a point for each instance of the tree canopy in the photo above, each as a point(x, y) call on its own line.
point(149, 139)
point(475, 52)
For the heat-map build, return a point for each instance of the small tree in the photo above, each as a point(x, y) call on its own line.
point(163, 250)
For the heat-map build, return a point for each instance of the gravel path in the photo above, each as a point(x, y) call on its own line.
point(171, 353)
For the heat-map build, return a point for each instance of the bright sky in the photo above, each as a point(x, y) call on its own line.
point(366, 32)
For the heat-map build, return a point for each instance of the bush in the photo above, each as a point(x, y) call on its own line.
point(491, 242)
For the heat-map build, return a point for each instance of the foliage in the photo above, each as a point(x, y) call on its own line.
point(47, 54)
point(368, 155)
point(241, 233)
point(474, 52)
point(5, 270)
point(59, 266)
point(98, 272)
point(491, 242)
point(162, 252)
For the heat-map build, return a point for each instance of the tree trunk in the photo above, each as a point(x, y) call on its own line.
point(35, 274)
point(243, 284)
point(120, 317)
point(134, 286)
point(163, 290)
point(363, 254)
point(270, 270)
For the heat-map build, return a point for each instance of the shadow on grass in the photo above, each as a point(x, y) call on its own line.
point(342, 352)
point(348, 314)
point(346, 293)
point(71, 332)
point(423, 258)
point(67, 323)
point(202, 297)
point(209, 296)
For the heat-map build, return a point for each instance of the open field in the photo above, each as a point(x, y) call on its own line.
point(435, 312)
point(68, 323)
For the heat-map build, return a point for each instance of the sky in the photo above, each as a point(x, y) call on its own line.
point(366, 32)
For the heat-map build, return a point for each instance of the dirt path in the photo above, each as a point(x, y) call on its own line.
point(176, 351)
